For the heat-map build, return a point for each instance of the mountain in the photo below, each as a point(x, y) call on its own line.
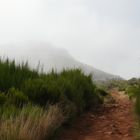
point(47, 56)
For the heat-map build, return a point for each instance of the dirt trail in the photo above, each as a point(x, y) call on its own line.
point(113, 122)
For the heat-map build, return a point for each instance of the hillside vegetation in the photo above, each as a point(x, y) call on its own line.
point(35, 105)
point(132, 88)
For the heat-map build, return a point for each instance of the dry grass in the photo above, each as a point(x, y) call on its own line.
point(31, 124)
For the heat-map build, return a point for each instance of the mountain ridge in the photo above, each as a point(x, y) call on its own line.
point(50, 57)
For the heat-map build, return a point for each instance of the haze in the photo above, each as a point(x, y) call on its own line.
point(101, 33)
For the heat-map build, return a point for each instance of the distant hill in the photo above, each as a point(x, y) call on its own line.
point(47, 56)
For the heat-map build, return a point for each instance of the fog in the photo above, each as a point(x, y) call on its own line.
point(101, 33)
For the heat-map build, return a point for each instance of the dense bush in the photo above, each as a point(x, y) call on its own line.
point(47, 88)
point(20, 87)
point(16, 97)
point(3, 98)
point(41, 92)
point(73, 84)
point(13, 75)
point(133, 90)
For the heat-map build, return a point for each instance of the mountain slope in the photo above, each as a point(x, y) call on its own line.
point(49, 57)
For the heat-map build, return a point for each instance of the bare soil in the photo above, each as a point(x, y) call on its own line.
point(114, 121)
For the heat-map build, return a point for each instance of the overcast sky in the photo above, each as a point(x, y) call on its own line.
point(102, 33)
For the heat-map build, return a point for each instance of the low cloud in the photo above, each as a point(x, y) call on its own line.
point(104, 34)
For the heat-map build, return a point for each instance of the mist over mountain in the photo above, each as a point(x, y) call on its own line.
point(47, 57)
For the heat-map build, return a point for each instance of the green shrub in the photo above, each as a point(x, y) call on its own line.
point(42, 89)
point(102, 92)
point(72, 90)
point(13, 75)
point(133, 90)
point(17, 97)
point(137, 104)
point(3, 98)
point(8, 111)
point(41, 92)
point(71, 84)
point(85, 96)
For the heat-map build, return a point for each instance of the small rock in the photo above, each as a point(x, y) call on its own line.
point(109, 133)
point(92, 116)
point(115, 105)
point(126, 135)
point(102, 117)
point(113, 126)
point(81, 132)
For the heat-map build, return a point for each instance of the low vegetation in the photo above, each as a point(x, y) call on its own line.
point(31, 123)
point(119, 84)
point(133, 90)
point(33, 105)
